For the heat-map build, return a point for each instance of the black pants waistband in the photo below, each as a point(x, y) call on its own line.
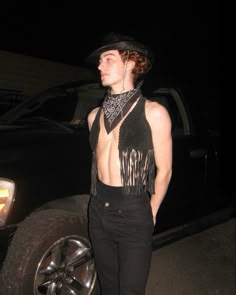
point(108, 189)
point(105, 191)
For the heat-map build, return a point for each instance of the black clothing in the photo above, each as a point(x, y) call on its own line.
point(116, 41)
point(121, 229)
point(116, 106)
point(135, 152)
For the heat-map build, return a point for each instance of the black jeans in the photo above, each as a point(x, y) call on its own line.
point(121, 229)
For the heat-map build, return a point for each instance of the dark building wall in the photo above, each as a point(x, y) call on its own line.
point(29, 75)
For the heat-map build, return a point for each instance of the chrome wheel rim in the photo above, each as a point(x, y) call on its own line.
point(66, 268)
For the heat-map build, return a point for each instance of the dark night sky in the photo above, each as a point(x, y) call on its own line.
point(185, 35)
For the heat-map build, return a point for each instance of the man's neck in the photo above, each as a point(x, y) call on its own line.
point(117, 89)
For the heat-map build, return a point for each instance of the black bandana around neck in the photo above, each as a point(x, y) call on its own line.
point(116, 106)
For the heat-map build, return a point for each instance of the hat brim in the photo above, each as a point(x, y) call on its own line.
point(121, 45)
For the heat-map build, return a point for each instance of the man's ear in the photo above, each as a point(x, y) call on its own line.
point(131, 65)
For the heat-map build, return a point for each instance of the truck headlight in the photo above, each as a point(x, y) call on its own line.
point(7, 191)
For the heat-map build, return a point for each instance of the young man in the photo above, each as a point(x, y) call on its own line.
point(131, 142)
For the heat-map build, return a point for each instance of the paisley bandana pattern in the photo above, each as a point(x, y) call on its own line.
point(116, 106)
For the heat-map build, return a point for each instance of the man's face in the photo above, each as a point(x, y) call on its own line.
point(111, 68)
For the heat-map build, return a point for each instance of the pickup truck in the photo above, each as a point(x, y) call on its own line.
point(45, 160)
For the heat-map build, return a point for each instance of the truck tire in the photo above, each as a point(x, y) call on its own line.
point(50, 254)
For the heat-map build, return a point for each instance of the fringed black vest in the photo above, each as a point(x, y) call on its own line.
point(135, 152)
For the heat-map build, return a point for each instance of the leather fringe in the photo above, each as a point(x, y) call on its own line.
point(93, 188)
point(137, 171)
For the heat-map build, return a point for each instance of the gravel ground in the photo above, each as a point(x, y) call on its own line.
point(202, 264)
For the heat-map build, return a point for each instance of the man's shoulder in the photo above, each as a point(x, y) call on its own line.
point(155, 110)
point(94, 111)
point(153, 106)
point(91, 116)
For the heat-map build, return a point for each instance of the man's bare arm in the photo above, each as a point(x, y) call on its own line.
point(160, 124)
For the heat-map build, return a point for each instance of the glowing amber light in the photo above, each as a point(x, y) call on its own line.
point(1, 206)
point(4, 193)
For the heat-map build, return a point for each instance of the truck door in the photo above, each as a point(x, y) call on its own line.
point(187, 185)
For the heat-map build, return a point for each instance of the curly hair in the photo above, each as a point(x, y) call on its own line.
point(142, 63)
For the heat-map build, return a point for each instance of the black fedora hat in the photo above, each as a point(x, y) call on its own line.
point(116, 41)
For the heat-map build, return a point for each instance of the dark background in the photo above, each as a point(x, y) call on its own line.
point(186, 36)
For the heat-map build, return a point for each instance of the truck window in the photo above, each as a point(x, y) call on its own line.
point(88, 97)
